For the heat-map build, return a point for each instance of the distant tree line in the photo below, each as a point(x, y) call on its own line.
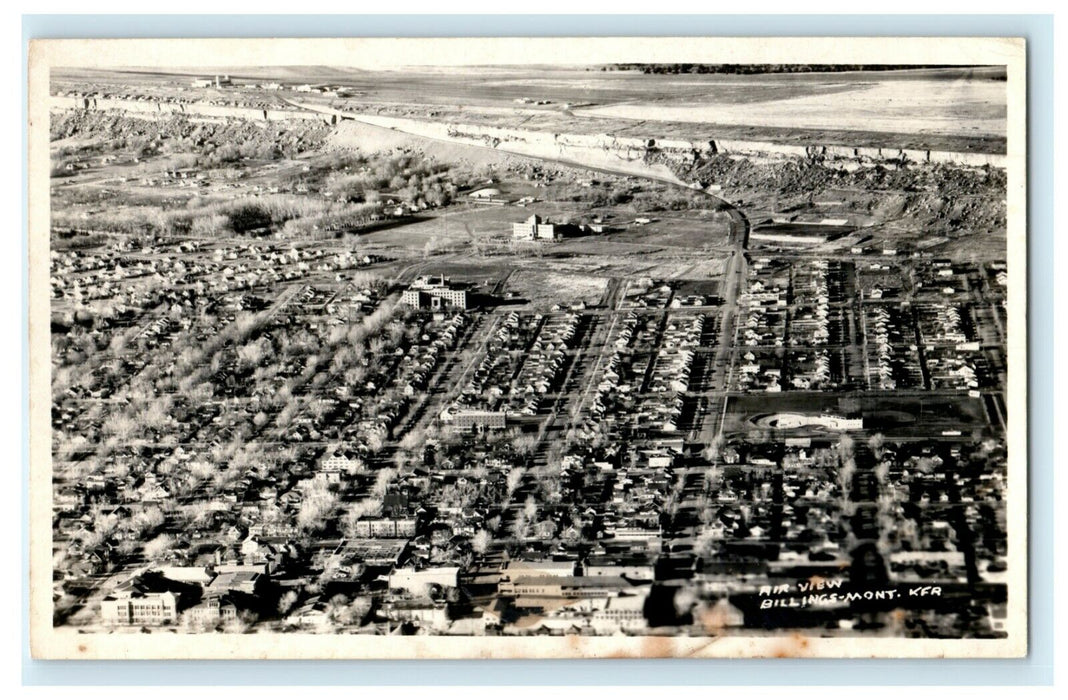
point(757, 68)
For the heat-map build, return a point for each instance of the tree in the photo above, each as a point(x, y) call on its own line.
point(524, 445)
point(530, 508)
point(685, 599)
point(413, 440)
point(514, 478)
point(199, 512)
point(287, 602)
point(316, 508)
point(375, 443)
point(147, 522)
point(481, 541)
point(522, 526)
point(201, 470)
point(121, 426)
point(355, 467)
point(159, 546)
point(712, 450)
point(339, 611)
point(252, 353)
point(241, 624)
point(104, 523)
point(382, 481)
point(545, 530)
point(875, 443)
point(845, 476)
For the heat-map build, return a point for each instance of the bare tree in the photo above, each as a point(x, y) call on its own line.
point(513, 479)
point(382, 481)
point(481, 541)
point(875, 443)
point(157, 547)
point(287, 602)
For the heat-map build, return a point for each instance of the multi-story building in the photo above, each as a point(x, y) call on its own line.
point(212, 611)
point(534, 229)
point(476, 420)
point(434, 292)
point(134, 607)
point(385, 527)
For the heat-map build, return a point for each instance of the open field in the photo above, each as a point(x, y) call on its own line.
point(961, 107)
point(373, 139)
point(704, 230)
point(954, 109)
point(558, 85)
point(544, 288)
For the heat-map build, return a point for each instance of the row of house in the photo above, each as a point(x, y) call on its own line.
point(543, 363)
point(670, 377)
point(881, 338)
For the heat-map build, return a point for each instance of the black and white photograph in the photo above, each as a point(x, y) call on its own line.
point(528, 348)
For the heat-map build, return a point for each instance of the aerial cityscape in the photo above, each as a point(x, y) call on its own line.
point(602, 350)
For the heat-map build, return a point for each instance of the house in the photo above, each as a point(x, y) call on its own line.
point(339, 462)
point(218, 81)
point(256, 551)
point(380, 552)
point(314, 614)
point(488, 195)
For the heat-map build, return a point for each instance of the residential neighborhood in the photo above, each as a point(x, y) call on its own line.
point(326, 361)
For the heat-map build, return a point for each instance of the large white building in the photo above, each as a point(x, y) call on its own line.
point(534, 229)
point(133, 607)
point(415, 581)
point(434, 292)
point(217, 81)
